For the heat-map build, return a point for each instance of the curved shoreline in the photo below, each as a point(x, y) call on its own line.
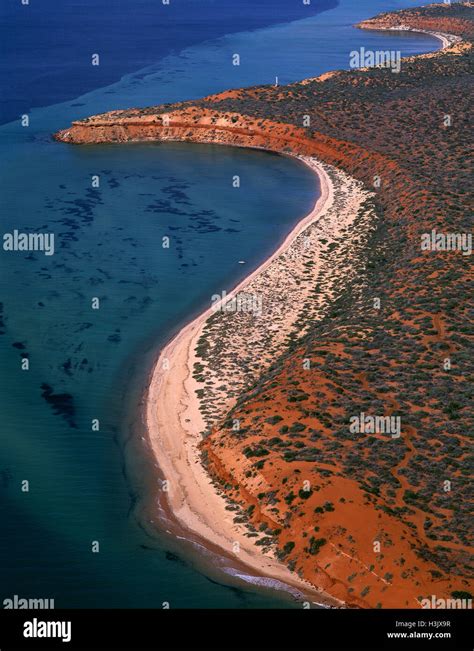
point(174, 424)
point(447, 40)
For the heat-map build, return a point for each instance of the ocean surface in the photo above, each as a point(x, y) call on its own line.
point(86, 485)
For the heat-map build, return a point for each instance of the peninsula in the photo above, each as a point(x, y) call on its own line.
point(250, 417)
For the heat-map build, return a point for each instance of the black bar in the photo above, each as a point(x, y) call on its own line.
point(163, 630)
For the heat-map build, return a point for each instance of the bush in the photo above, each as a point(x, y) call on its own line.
point(315, 545)
point(273, 420)
point(304, 494)
point(461, 594)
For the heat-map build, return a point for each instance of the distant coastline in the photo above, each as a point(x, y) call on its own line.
point(131, 31)
point(447, 40)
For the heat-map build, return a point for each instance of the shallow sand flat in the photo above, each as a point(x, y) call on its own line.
point(173, 410)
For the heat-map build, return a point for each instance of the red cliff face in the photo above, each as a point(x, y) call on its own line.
point(201, 125)
point(189, 125)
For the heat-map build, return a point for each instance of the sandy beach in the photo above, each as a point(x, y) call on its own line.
point(175, 423)
point(447, 40)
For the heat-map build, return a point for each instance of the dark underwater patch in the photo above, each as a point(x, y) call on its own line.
point(62, 404)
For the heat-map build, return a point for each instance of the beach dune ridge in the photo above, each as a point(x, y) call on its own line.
point(176, 416)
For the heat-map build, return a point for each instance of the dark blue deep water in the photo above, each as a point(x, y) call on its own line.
point(48, 44)
point(87, 364)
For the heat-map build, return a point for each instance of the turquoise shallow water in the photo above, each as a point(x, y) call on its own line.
point(86, 485)
point(110, 247)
